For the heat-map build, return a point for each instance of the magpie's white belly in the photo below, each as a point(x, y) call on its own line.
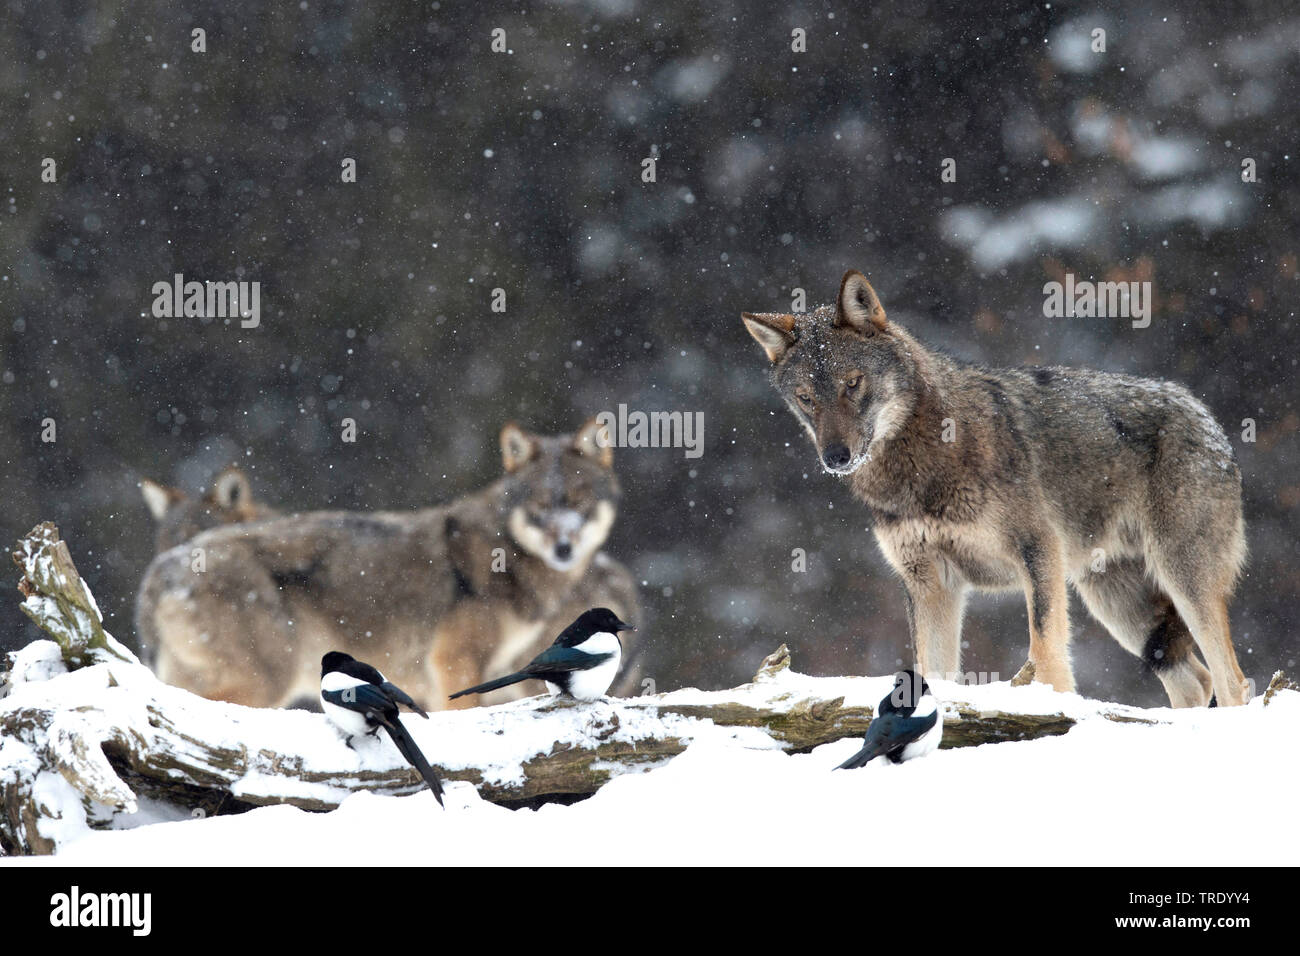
point(348, 721)
point(930, 742)
point(593, 683)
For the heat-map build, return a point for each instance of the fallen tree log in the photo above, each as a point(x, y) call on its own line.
point(87, 746)
point(90, 737)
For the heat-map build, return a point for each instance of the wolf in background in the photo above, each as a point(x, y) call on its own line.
point(439, 598)
point(1025, 479)
point(228, 500)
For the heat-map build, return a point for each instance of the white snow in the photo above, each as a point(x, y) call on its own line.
point(1208, 787)
point(1070, 46)
point(691, 81)
point(995, 242)
point(1157, 157)
point(38, 661)
point(1214, 204)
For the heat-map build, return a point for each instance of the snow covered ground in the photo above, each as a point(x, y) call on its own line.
point(1210, 787)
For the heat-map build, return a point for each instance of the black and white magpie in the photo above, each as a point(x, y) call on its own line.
point(908, 724)
point(581, 663)
point(358, 700)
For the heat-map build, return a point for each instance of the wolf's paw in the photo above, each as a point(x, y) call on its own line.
point(1058, 678)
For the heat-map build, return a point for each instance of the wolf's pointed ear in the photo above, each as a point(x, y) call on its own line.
point(230, 489)
point(857, 307)
point(595, 441)
point(159, 499)
point(517, 446)
point(772, 330)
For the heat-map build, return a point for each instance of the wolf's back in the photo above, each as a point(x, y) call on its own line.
point(1105, 445)
point(267, 599)
point(1102, 418)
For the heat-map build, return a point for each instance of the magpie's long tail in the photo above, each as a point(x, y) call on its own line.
point(492, 685)
point(413, 756)
point(860, 759)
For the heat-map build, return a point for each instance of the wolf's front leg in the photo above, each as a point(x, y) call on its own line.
point(934, 613)
point(1048, 603)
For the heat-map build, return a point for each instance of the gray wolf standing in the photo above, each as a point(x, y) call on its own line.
point(1025, 479)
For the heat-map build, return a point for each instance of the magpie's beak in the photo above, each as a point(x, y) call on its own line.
point(626, 627)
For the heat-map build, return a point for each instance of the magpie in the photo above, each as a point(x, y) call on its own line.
point(581, 663)
point(908, 724)
point(358, 700)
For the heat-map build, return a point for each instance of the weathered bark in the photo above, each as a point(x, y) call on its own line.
point(55, 597)
point(1280, 682)
point(1025, 675)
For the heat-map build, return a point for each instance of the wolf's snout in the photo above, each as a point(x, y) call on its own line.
point(563, 550)
point(836, 456)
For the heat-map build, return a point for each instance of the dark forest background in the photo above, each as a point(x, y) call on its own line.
point(522, 170)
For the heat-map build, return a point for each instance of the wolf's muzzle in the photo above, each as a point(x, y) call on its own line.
point(836, 457)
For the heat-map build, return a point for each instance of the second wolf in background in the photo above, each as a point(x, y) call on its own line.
point(439, 598)
point(228, 500)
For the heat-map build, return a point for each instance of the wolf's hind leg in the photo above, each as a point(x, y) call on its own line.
point(1199, 583)
point(1145, 623)
point(1196, 544)
point(224, 656)
point(1208, 621)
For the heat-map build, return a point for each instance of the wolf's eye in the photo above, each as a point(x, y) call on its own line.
point(853, 381)
point(804, 399)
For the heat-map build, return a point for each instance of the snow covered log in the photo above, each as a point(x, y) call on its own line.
point(90, 738)
point(110, 745)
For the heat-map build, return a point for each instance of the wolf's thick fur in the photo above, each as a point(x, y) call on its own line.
point(1000, 479)
point(415, 593)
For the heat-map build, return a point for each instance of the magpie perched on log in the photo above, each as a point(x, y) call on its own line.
point(357, 699)
point(907, 725)
point(582, 662)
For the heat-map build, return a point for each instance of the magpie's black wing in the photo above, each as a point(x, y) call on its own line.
point(361, 671)
point(368, 699)
point(887, 734)
point(402, 697)
point(563, 660)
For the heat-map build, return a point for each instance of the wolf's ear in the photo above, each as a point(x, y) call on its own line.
point(157, 498)
point(231, 489)
point(857, 307)
point(517, 446)
point(772, 330)
point(595, 441)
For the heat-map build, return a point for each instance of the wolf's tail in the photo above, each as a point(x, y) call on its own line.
point(413, 756)
point(492, 685)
